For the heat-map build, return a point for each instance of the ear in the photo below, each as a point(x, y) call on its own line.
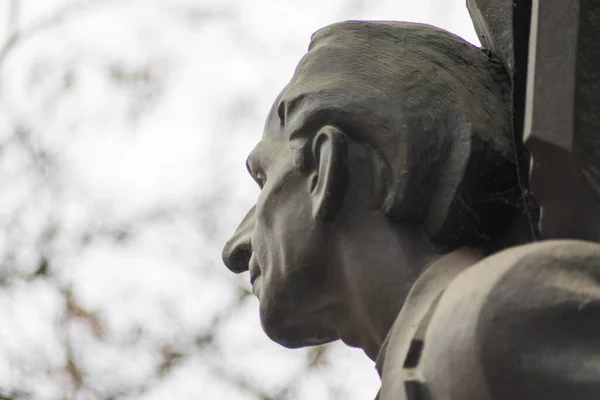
point(329, 179)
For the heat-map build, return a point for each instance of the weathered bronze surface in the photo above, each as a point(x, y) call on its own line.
point(563, 117)
point(396, 212)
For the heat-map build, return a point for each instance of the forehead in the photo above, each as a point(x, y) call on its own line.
point(274, 127)
point(330, 77)
point(341, 79)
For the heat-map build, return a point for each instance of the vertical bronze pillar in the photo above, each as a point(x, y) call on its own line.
point(562, 116)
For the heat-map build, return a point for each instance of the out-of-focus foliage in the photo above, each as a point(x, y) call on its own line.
point(123, 130)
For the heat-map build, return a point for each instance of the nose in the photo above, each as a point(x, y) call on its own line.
point(238, 249)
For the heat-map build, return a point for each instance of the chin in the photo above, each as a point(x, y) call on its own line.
point(306, 342)
point(298, 341)
point(295, 335)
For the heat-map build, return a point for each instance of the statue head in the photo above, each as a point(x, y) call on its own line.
point(390, 146)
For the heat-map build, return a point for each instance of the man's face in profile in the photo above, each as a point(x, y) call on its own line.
point(288, 248)
point(387, 107)
point(282, 246)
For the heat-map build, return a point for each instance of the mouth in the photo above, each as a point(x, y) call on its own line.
point(254, 269)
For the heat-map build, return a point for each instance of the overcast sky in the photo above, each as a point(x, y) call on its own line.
point(142, 113)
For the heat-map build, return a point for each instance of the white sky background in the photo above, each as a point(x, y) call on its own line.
point(124, 127)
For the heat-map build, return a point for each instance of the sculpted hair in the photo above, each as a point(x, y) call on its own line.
point(435, 112)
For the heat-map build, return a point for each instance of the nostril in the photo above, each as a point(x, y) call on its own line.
point(237, 257)
point(238, 249)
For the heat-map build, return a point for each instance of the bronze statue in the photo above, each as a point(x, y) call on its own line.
point(390, 191)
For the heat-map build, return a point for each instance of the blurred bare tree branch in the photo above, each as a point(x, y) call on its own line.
point(43, 247)
point(18, 35)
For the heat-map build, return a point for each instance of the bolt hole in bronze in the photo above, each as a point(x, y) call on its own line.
point(437, 204)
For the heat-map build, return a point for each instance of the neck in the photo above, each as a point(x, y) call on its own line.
point(395, 258)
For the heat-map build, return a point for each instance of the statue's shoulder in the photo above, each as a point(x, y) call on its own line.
point(521, 324)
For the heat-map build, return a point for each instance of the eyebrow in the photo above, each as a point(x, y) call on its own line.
point(287, 107)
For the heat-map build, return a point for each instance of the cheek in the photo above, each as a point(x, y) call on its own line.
point(284, 198)
point(284, 223)
point(293, 228)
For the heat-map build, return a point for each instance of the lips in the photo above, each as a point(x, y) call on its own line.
point(254, 269)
